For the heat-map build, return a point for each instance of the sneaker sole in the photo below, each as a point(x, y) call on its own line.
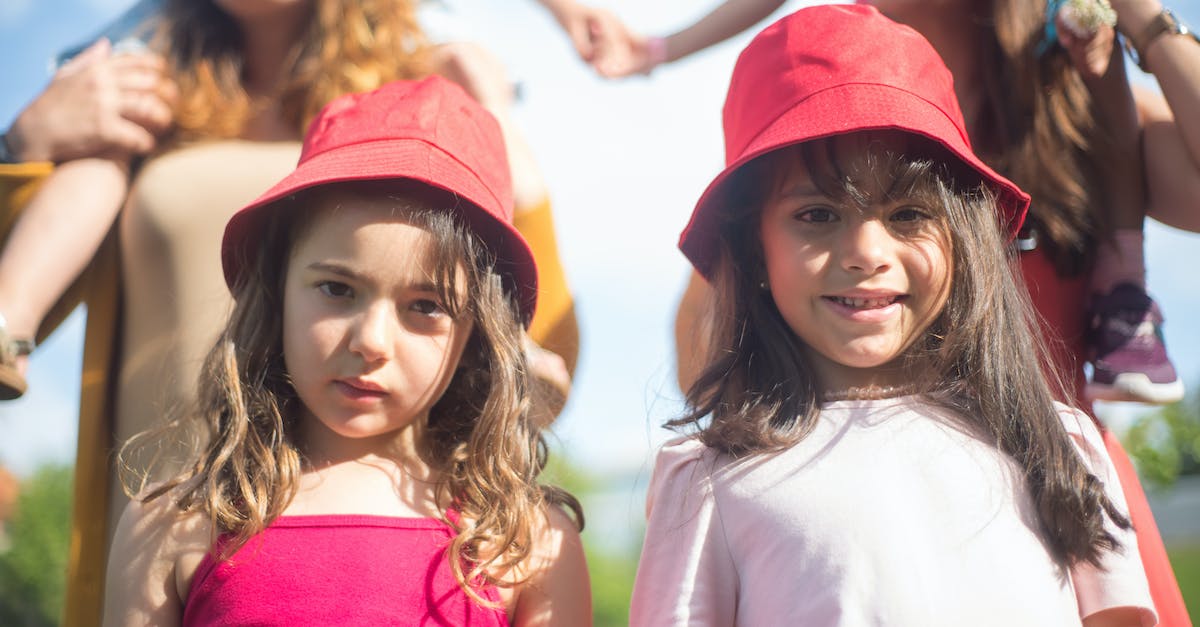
point(1134, 387)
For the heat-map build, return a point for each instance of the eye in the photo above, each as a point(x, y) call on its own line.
point(335, 289)
point(910, 214)
point(816, 215)
point(427, 307)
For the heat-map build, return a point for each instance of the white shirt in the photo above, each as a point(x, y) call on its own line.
point(887, 514)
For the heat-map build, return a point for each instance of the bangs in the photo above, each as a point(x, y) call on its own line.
point(455, 259)
point(862, 169)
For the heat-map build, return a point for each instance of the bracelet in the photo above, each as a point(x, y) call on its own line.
point(656, 52)
point(1163, 24)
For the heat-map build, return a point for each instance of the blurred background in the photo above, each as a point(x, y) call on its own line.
point(625, 161)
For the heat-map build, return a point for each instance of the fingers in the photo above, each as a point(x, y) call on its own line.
point(145, 96)
point(130, 137)
point(1090, 53)
point(98, 51)
point(147, 110)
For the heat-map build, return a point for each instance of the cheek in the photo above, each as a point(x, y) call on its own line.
point(308, 339)
point(933, 266)
point(790, 261)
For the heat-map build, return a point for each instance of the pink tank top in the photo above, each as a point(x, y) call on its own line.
point(338, 570)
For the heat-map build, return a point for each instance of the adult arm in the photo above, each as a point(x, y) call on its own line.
point(1170, 122)
point(693, 331)
point(594, 32)
point(725, 21)
point(98, 102)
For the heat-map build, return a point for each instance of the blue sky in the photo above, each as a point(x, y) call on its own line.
point(625, 163)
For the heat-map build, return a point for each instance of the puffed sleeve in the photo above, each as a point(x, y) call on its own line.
point(1120, 581)
point(686, 575)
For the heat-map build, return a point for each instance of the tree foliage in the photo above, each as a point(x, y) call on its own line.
point(33, 569)
point(1166, 443)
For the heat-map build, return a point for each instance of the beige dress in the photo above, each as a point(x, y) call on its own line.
point(174, 300)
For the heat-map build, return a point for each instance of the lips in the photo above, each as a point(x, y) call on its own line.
point(360, 389)
point(872, 302)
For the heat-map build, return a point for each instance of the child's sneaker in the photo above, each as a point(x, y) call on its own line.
point(1128, 355)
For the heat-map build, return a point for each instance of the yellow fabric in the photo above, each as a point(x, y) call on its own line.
point(554, 326)
point(97, 288)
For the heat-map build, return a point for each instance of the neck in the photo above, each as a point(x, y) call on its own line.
point(322, 447)
point(267, 48)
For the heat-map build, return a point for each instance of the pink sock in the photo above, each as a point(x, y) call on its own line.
point(1120, 262)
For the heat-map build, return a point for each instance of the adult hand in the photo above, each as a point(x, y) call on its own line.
point(632, 56)
point(1091, 54)
point(594, 32)
point(99, 102)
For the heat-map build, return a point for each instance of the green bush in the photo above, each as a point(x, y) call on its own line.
point(1166, 443)
point(33, 571)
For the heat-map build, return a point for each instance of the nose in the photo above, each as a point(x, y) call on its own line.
point(374, 331)
point(866, 247)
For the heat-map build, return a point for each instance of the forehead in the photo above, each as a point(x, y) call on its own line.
point(374, 230)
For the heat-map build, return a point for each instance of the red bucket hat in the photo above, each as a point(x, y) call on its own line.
point(832, 70)
point(429, 131)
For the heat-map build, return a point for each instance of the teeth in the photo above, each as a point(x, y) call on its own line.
point(865, 303)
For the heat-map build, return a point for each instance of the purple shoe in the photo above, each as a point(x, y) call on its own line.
point(1128, 355)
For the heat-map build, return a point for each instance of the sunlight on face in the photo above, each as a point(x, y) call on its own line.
point(858, 285)
point(367, 342)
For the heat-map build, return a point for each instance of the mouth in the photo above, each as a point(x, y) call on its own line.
point(866, 303)
point(360, 389)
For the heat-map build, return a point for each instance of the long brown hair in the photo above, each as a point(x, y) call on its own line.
point(349, 46)
point(481, 440)
point(1038, 125)
point(758, 393)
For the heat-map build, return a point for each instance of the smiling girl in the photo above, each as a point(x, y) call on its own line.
point(366, 452)
point(874, 441)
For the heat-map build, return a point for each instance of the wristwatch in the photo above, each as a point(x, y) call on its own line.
point(1165, 23)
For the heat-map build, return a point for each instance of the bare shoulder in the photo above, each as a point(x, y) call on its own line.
point(553, 586)
point(156, 548)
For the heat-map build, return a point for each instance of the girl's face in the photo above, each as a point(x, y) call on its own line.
point(367, 343)
point(857, 285)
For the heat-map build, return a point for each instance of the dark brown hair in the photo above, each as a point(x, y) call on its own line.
point(1038, 126)
point(480, 439)
point(978, 358)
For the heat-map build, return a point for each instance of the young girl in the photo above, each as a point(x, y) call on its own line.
point(876, 443)
point(367, 454)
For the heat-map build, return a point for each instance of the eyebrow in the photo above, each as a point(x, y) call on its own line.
point(800, 190)
point(341, 270)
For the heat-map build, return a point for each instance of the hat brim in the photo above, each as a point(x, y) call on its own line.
point(395, 159)
point(839, 110)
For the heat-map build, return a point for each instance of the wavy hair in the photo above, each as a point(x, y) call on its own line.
point(1038, 125)
point(481, 439)
point(758, 393)
point(349, 46)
